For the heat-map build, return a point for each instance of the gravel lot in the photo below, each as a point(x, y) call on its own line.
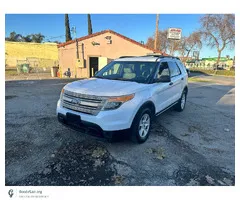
point(194, 147)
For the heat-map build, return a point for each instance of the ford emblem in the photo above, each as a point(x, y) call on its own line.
point(74, 101)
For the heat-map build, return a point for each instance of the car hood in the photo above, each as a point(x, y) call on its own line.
point(104, 87)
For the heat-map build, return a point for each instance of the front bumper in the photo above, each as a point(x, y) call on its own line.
point(91, 128)
point(112, 120)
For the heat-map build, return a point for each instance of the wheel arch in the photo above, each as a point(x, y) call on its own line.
point(186, 88)
point(147, 104)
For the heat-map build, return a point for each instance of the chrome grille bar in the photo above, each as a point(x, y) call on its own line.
point(89, 104)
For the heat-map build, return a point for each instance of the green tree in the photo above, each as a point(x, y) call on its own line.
point(67, 28)
point(12, 37)
point(28, 38)
point(38, 38)
point(89, 25)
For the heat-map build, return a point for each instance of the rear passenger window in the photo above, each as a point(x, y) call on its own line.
point(174, 69)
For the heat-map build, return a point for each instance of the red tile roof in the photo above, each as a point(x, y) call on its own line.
point(114, 33)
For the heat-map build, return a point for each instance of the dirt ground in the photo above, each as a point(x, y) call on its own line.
point(194, 147)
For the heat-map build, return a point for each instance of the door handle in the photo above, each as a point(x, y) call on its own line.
point(171, 83)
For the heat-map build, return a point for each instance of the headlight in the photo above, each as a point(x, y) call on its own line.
point(61, 95)
point(116, 102)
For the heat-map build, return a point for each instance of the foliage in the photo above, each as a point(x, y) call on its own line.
point(89, 25)
point(67, 28)
point(14, 37)
point(38, 38)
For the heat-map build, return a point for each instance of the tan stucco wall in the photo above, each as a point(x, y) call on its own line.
point(119, 47)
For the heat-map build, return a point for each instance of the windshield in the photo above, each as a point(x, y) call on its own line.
point(136, 71)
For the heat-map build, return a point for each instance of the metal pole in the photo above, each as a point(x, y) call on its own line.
point(172, 47)
point(156, 33)
point(77, 54)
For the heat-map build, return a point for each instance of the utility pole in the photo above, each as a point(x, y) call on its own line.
point(77, 53)
point(156, 33)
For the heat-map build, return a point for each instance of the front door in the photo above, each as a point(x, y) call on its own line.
point(163, 92)
point(93, 63)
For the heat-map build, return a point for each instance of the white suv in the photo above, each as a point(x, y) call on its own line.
point(126, 94)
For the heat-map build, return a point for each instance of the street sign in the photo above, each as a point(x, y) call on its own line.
point(174, 33)
point(196, 54)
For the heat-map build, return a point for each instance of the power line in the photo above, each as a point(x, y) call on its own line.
point(54, 37)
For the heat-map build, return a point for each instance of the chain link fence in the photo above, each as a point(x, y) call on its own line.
point(38, 65)
point(30, 67)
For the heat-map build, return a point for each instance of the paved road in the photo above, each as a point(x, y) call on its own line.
point(194, 147)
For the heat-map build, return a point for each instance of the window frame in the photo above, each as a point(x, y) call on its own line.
point(177, 67)
point(158, 68)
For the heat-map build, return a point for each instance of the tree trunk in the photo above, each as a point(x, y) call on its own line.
point(218, 59)
point(188, 52)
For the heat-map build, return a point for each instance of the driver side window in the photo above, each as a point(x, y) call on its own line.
point(163, 70)
point(114, 70)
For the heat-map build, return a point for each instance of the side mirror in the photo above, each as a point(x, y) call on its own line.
point(163, 79)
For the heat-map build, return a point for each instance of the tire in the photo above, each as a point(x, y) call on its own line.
point(140, 132)
point(181, 102)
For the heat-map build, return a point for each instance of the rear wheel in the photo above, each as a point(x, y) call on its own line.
point(181, 102)
point(141, 126)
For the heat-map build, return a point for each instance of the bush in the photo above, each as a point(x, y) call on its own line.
point(213, 72)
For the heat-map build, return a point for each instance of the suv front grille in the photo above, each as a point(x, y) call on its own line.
point(83, 103)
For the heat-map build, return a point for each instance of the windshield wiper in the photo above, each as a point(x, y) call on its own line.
point(123, 79)
point(99, 77)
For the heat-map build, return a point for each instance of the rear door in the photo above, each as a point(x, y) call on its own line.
point(176, 81)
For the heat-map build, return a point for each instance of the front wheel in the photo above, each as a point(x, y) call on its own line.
point(181, 102)
point(141, 126)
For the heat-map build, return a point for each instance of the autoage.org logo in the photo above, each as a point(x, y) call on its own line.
point(10, 193)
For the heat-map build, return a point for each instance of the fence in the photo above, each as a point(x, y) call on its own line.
point(210, 65)
point(37, 65)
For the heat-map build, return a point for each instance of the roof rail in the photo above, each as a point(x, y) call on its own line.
point(153, 55)
point(127, 56)
point(161, 56)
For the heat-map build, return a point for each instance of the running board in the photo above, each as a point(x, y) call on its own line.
point(166, 108)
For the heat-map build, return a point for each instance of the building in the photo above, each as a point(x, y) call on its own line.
point(86, 55)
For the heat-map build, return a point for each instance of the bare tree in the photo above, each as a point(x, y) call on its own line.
point(162, 42)
point(218, 31)
point(175, 45)
point(187, 44)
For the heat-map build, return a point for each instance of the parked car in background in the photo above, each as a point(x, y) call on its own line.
point(125, 95)
point(188, 71)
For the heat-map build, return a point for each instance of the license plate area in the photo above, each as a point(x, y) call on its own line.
point(73, 119)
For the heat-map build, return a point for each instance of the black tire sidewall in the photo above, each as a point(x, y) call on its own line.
point(178, 106)
point(135, 126)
